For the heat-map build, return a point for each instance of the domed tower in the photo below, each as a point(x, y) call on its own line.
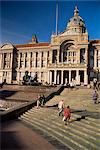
point(69, 51)
point(76, 24)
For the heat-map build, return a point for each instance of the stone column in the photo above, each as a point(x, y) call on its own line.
point(46, 56)
point(85, 77)
point(95, 58)
point(50, 77)
point(39, 76)
point(50, 56)
point(55, 76)
point(85, 55)
point(0, 60)
point(69, 76)
point(18, 76)
point(62, 56)
point(24, 60)
point(45, 76)
point(58, 78)
point(11, 58)
point(29, 60)
point(78, 56)
point(18, 60)
point(34, 56)
point(40, 59)
point(57, 56)
point(62, 74)
point(2, 63)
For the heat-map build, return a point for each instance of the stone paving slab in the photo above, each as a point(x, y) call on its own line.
point(16, 136)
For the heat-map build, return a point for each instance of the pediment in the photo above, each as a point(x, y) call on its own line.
point(7, 46)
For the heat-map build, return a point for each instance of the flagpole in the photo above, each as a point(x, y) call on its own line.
point(57, 19)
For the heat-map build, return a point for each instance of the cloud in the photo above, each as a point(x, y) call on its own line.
point(10, 33)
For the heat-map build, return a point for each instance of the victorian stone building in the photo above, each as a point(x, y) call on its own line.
point(69, 56)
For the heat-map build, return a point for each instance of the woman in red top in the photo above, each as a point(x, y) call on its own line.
point(67, 114)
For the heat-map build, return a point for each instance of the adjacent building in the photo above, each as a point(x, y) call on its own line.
point(69, 56)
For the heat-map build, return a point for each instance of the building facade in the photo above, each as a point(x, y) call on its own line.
point(69, 56)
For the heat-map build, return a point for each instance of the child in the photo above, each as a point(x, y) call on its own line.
point(67, 114)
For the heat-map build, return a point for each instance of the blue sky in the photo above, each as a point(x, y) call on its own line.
point(21, 19)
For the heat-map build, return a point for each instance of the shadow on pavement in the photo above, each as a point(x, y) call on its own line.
point(83, 113)
point(6, 93)
point(9, 141)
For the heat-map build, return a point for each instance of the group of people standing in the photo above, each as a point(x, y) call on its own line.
point(95, 97)
point(96, 84)
point(40, 101)
point(96, 88)
point(65, 111)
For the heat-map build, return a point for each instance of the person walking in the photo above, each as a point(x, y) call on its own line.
point(95, 97)
point(95, 84)
point(67, 115)
point(60, 106)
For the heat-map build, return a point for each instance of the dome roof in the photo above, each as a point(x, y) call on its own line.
point(76, 20)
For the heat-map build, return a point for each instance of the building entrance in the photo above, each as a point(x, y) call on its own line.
point(81, 73)
point(66, 77)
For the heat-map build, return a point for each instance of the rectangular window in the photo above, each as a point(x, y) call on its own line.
point(31, 54)
point(42, 63)
point(36, 54)
point(54, 56)
point(48, 54)
point(20, 54)
point(82, 55)
point(42, 54)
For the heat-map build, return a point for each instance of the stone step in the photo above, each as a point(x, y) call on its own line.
point(45, 119)
point(54, 129)
point(93, 119)
point(65, 141)
point(80, 134)
point(66, 132)
point(55, 112)
point(91, 123)
point(53, 118)
point(74, 116)
point(92, 133)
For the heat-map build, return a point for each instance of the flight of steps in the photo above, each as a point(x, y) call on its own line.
point(78, 135)
point(77, 99)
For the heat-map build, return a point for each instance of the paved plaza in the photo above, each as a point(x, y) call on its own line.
point(43, 129)
point(12, 96)
point(78, 99)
